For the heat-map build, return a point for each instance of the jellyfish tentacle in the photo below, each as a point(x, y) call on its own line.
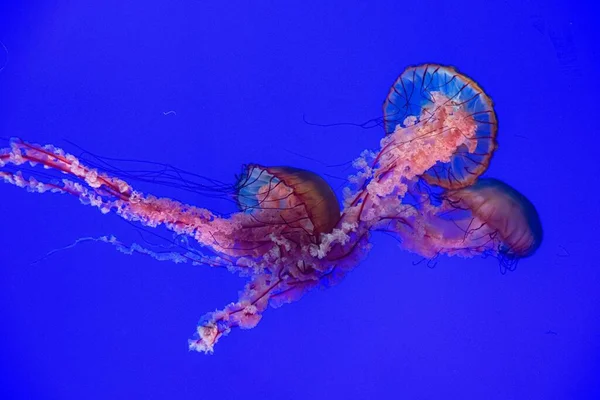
point(262, 290)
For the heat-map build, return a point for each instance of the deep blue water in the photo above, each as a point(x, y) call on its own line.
point(209, 86)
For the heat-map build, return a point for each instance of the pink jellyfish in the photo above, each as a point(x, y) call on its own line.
point(291, 235)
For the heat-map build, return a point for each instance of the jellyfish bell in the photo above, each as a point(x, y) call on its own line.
point(420, 90)
point(505, 212)
point(296, 198)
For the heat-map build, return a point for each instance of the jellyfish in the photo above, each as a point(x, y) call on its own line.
point(286, 189)
point(488, 218)
point(509, 218)
point(416, 92)
point(292, 234)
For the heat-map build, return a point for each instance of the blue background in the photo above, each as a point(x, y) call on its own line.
point(92, 323)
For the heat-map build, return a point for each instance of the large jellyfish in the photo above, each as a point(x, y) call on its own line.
point(413, 96)
point(291, 235)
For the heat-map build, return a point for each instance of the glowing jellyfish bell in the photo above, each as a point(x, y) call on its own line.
point(508, 214)
point(298, 198)
point(430, 87)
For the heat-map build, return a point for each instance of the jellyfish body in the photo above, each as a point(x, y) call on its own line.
point(286, 213)
point(414, 95)
point(304, 196)
point(505, 212)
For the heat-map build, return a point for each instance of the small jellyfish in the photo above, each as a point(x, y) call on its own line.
point(506, 214)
